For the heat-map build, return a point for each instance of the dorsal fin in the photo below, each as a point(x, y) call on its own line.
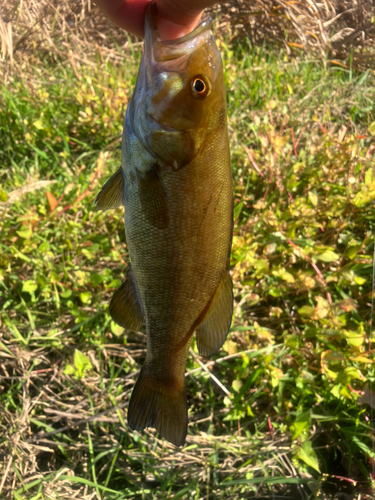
point(126, 307)
point(213, 331)
point(111, 194)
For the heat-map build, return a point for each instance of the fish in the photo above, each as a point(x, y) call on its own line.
point(175, 182)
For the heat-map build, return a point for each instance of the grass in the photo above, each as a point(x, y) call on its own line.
point(294, 417)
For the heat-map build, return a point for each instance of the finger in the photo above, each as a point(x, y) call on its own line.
point(128, 14)
point(176, 18)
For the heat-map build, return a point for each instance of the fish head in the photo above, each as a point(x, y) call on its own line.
point(179, 97)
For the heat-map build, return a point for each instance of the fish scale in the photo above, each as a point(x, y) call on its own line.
point(176, 186)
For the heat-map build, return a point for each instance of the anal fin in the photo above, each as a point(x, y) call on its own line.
point(126, 307)
point(153, 198)
point(213, 331)
point(110, 196)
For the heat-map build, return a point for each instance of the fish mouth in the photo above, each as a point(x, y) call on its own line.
point(157, 51)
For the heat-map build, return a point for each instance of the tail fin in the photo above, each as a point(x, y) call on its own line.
point(155, 403)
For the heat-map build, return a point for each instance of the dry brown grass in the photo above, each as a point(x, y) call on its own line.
point(68, 412)
point(334, 28)
point(35, 30)
point(73, 28)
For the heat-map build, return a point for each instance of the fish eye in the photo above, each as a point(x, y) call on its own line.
point(200, 87)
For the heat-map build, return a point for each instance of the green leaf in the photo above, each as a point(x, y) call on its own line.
point(328, 256)
point(261, 268)
point(82, 363)
point(54, 277)
point(353, 251)
point(14, 331)
point(306, 311)
point(371, 128)
point(97, 279)
point(114, 283)
point(29, 286)
point(351, 373)
point(3, 196)
point(363, 198)
point(44, 247)
point(237, 210)
point(308, 455)
point(284, 275)
point(85, 297)
point(116, 329)
point(25, 233)
point(4, 348)
point(313, 197)
point(363, 447)
point(237, 385)
point(81, 480)
point(368, 177)
point(38, 124)
point(335, 391)
point(66, 294)
point(17, 496)
point(359, 280)
point(302, 423)
point(274, 292)
point(266, 480)
point(354, 338)
point(69, 370)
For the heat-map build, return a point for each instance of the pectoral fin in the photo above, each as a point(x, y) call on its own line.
point(153, 199)
point(126, 307)
point(213, 331)
point(110, 196)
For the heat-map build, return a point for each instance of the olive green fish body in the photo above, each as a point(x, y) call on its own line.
point(176, 187)
point(177, 269)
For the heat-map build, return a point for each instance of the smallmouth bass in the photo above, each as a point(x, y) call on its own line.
point(175, 183)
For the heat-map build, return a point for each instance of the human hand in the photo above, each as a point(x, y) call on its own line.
point(175, 18)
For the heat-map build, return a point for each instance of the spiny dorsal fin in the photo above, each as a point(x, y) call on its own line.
point(126, 307)
point(153, 199)
point(110, 196)
point(213, 331)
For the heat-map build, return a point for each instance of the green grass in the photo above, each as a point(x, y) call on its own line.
point(299, 353)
